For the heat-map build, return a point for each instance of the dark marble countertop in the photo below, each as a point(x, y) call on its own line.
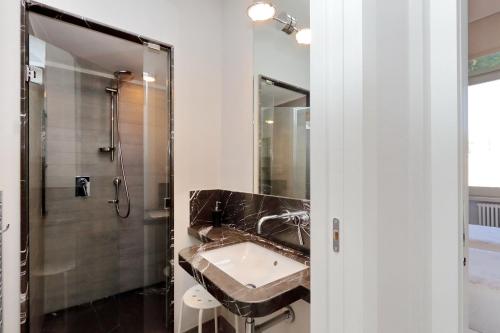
point(239, 299)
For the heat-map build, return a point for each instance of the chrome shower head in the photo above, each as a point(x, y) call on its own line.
point(123, 75)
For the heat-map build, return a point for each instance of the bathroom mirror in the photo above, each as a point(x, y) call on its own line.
point(281, 100)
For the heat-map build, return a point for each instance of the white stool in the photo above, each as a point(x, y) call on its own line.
point(198, 298)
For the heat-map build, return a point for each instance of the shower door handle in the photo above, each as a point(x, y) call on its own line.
point(167, 203)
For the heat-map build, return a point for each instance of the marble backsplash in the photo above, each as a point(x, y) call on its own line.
point(242, 211)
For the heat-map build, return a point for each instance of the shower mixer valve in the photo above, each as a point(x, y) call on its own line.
point(82, 186)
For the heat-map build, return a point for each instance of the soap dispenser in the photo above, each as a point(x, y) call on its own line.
point(217, 215)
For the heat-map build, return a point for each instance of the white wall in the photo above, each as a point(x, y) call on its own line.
point(197, 107)
point(479, 9)
point(278, 55)
point(237, 110)
point(237, 142)
point(9, 152)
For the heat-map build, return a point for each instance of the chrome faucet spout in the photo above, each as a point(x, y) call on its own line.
point(263, 219)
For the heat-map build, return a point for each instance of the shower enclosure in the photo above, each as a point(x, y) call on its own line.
point(97, 233)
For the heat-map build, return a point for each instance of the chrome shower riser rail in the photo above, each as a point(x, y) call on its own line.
point(115, 122)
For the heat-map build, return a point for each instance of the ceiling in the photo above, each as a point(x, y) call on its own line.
point(98, 51)
point(479, 9)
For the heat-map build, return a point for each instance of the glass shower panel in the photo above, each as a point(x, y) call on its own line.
point(76, 259)
point(284, 151)
point(156, 161)
point(37, 124)
point(301, 152)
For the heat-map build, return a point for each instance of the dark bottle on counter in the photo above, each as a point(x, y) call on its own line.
point(217, 215)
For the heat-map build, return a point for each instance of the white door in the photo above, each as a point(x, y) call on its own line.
point(336, 106)
point(387, 158)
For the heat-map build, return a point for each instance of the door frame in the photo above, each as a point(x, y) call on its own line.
point(448, 56)
point(463, 87)
point(48, 11)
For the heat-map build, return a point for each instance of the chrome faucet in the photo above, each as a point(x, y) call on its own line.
point(282, 216)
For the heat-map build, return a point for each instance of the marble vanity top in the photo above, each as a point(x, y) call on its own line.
point(240, 299)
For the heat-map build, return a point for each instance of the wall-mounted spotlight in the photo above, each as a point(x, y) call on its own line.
point(262, 11)
point(303, 36)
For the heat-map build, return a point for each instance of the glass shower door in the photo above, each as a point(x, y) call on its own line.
point(99, 182)
point(74, 233)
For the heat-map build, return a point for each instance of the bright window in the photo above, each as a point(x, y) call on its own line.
point(484, 134)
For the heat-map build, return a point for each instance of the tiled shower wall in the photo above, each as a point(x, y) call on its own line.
point(90, 253)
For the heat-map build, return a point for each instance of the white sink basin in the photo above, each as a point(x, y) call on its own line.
point(252, 265)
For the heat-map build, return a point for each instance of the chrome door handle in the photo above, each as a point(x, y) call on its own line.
point(336, 235)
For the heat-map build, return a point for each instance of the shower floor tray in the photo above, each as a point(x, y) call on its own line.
point(140, 310)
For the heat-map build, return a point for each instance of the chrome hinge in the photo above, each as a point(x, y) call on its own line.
point(336, 235)
point(153, 46)
point(27, 73)
point(33, 74)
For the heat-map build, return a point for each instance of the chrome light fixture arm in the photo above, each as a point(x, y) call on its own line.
point(261, 11)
